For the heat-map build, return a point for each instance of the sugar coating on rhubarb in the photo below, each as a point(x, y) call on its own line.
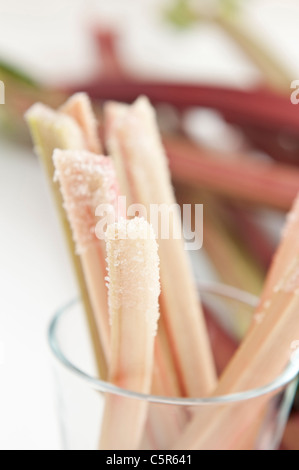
point(133, 269)
point(86, 180)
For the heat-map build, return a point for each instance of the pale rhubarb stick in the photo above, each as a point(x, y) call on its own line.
point(133, 276)
point(260, 359)
point(79, 108)
point(165, 381)
point(114, 114)
point(287, 248)
point(86, 181)
point(50, 130)
point(163, 425)
point(147, 174)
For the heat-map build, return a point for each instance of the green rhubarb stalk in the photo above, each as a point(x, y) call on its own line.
point(51, 130)
point(272, 71)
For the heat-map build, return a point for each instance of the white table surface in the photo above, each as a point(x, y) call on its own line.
point(35, 275)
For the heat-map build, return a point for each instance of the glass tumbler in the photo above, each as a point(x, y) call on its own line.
point(256, 417)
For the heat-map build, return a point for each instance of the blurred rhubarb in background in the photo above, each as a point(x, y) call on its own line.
point(251, 175)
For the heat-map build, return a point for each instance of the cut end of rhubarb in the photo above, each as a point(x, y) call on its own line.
point(80, 109)
point(87, 180)
point(143, 104)
point(114, 113)
point(133, 261)
point(50, 128)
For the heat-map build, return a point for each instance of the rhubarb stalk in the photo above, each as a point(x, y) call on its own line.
point(133, 280)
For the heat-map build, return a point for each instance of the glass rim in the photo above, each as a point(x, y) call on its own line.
point(285, 378)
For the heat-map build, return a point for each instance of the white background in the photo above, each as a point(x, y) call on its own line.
point(50, 39)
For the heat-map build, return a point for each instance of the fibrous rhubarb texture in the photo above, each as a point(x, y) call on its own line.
point(286, 250)
point(79, 108)
point(87, 181)
point(262, 356)
point(134, 288)
point(50, 130)
point(165, 381)
point(134, 142)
